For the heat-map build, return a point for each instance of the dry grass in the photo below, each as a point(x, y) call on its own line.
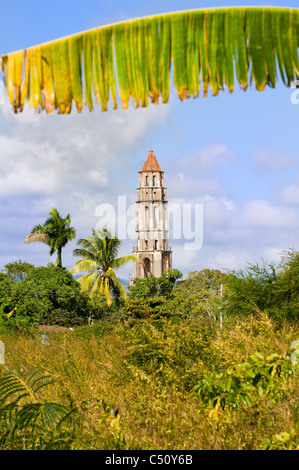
point(156, 409)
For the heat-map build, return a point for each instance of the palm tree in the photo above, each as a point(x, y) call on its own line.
point(99, 260)
point(55, 232)
point(211, 47)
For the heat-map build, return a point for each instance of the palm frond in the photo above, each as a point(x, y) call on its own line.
point(27, 423)
point(89, 254)
point(119, 262)
point(87, 281)
point(38, 237)
point(12, 384)
point(84, 266)
point(117, 285)
point(107, 291)
point(97, 286)
point(207, 48)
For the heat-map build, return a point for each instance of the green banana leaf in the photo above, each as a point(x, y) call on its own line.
point(130, 63)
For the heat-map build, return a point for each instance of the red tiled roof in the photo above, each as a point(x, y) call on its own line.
point(151, 163)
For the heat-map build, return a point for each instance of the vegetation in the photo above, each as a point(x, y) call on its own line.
point(271, 289)
point(208, 48)
point(100, 259)
point(55, 232)
point(155, 371)
point(153, 286)
point(17, 270)
point(47, 295)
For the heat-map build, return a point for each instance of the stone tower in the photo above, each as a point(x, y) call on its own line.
point(152, 250)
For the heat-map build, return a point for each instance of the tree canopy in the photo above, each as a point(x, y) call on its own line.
point(56, 232)
point(99, 254)
point(46, 295)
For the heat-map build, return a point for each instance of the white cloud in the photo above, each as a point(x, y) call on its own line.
point(272, 159)
point(209, 158)
point(261, 213)
point(236, 235)
point(188, 185)
point(289, 195)
point(64, 153)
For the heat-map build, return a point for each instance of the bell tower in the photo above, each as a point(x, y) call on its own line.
point(151, 250)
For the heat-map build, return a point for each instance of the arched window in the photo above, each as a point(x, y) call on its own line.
point(146, 265)
point(165, 264)
point(146, 181)
point(146, 217)
point(154, 180)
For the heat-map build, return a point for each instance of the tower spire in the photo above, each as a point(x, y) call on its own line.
point(151, 163)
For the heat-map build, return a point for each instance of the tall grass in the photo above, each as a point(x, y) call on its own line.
point(133, 388)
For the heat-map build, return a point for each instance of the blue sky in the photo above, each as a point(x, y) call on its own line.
point(236, 154)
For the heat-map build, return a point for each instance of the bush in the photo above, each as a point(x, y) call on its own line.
point(6, 286)
point(199, 295)
point(61, 317)
point(273, 289)
point(145, 308)
point(48, 294)
point(174, 351)
point(258, 378)
point(155, 286)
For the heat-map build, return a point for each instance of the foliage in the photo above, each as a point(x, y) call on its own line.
point(286, 295)
point(99, 306)
point(17, 270)
point(99, 259)
point(285, 440)
point(155, 286)
point(6, 286)
point(46, 295)
point(133, 388)
point(55, 232)
point(209, 47)
point(242, 385)
point(170, 350)
point(145, 308)
point(200, 295)
point(116, 438)
point(268, 288)
point(25, 422)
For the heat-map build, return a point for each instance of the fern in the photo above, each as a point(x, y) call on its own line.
point(25, 422)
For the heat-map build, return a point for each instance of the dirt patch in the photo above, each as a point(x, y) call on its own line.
point(53, 328)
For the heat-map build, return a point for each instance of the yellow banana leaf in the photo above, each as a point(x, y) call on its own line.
point(10, 314)
point(207, 50)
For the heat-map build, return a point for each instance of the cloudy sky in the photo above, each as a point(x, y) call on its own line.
point(235, 155)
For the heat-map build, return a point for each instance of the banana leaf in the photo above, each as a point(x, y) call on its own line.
point(131, 63)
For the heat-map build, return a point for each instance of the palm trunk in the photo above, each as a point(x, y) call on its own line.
point(59, 258)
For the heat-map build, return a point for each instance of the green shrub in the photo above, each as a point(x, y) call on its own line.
point(273, 289)
point(21, 323)
point(199, 296)
point(258, 378)
point(155, 286)
point(48, 295)
point(172, 350)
